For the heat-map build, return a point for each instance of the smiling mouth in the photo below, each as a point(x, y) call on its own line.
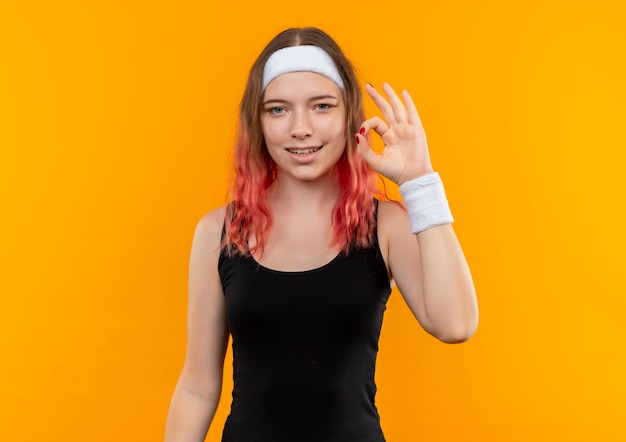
point(304, 151)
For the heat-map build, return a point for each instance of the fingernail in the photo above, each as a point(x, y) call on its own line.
point(356, 137)
point(362, 131)
point(370, 85)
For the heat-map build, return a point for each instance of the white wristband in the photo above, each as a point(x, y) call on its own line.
point(426, 202)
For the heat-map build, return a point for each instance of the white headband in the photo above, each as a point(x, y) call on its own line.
point(307, 58)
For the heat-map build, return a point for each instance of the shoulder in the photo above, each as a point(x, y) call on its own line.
point(391, 216)
point(213, 219)
point(393, 227)
point(209, 228)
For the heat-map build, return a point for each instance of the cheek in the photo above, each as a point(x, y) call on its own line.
point(271, 132)
point(335, 130)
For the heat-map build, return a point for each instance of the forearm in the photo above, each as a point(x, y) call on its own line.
point(450, 306)
point(191, 412)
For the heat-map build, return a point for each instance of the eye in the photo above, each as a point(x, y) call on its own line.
point(276, 110)
point(323, 106)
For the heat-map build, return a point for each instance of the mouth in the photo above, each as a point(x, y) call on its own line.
point(303, 150)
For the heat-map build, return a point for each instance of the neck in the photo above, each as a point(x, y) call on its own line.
point(288, 193)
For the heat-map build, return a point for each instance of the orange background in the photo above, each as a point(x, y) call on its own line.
point(115, 129)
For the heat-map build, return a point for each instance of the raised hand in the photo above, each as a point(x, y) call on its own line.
point(405, 155)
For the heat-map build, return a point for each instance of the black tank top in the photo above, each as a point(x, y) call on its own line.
point(304, 349)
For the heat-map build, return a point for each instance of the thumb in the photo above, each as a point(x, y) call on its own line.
point(366, 152)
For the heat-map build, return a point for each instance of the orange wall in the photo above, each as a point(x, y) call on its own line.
point(115, 125)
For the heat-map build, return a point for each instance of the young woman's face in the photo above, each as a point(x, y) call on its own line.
point(303, 123)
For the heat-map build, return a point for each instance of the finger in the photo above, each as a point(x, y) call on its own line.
point(397, 105)
point(365, 151)
point(380, 101)
point(413, 115)
point(376, 124)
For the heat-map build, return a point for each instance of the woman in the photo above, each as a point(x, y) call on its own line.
point(299, 266)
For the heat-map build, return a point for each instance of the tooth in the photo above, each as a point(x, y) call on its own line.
point(304, 151)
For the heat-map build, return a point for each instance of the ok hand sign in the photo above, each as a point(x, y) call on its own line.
point(405, 155)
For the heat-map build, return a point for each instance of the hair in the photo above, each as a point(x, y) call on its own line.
point(248, 214)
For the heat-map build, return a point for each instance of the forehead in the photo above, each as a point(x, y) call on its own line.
point(301, 85)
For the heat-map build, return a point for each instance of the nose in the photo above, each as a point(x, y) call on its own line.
point(301, 126)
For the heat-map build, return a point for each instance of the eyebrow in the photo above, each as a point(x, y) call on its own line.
point(317, 97)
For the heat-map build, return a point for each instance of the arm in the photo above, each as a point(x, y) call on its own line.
point(429, 268)
point(432, 274)
point(199, 387)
